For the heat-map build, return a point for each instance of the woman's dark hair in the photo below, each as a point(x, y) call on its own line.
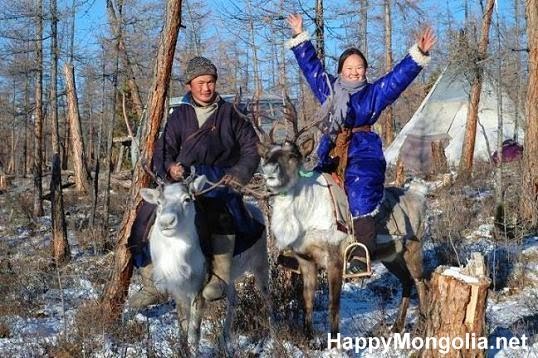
point(350, 51)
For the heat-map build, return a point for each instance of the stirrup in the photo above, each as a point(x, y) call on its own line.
point(347, 258)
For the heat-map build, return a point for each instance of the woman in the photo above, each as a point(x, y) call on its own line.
point(349, 147)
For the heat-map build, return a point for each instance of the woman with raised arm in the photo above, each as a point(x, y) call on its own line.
point(348, 146)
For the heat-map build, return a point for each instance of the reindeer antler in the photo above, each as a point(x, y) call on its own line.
point(157, 179)
point(264, 138)
point(290, 115)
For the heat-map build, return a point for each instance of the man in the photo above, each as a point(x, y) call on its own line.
point(206, 132)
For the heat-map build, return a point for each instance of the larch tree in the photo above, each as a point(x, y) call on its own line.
point(118, 284)
point(320, 31)
point(363, 27)
point(387, 120)
point(38, 118)
point(82, 174)
point(60, 246)
point(466, 162)
point(529, 202)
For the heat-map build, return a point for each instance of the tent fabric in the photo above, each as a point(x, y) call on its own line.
point(443, 115)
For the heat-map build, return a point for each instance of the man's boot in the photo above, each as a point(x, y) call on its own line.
point(148, 295)
point(222, 248)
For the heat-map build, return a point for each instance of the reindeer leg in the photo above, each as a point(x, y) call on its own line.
point(334, 274)
point(399, 269)
point(413, 260)
point(261, 275)
point(195, 320)
point(310, 280)
point(224, 341)
point(183, 314)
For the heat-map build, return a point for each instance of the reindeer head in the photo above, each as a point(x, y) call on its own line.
point(281, 163)
point(175, 204)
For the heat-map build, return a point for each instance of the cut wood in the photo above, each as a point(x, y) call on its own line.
point(457, 308)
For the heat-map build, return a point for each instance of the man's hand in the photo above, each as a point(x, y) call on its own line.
point(426, 39)
point(176, 171)
point(296, 23)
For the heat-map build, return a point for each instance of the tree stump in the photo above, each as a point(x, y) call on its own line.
point(456, 309)
point(439, 161)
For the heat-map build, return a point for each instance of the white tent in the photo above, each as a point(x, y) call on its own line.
point(442, 117)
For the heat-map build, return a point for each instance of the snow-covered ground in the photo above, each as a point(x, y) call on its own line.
point(367, 308)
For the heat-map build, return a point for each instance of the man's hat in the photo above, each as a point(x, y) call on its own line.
point(199, 66)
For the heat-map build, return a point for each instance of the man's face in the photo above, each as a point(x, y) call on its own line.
point(203, 89)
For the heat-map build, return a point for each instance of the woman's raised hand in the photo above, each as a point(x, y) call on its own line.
point(426, 39)
point(296, 23)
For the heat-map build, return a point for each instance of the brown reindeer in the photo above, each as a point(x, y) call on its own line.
point(303, 220)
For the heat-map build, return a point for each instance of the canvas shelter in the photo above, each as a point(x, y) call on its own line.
point(442, 116)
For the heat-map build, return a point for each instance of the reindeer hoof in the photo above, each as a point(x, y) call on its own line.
point(315, 343)
point(397, 327)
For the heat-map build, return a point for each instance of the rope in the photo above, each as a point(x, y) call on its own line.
point(236, 186)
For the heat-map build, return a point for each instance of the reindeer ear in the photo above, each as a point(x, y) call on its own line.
point(262, 149)
point(307, 147)
point(150, 195)
point(198, 184)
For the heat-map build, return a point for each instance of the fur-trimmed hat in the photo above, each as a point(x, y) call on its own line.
point(199, 66)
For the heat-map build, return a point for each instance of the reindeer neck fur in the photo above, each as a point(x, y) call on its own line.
point(302, 210)
point(178, 262)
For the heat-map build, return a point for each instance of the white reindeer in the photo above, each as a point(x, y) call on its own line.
point(179, 266)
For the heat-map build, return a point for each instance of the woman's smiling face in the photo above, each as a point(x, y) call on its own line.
point(353, 69)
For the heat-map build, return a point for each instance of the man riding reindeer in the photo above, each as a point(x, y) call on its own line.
point(206, 132)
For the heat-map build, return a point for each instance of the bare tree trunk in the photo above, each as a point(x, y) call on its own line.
point(399, 179)
point(529, 202)
point(517, 70)
point(12, 165)
point(97, 150)
point(439, 161)
point(466, 161)
point(25, 156)
point(60, 246)
point(82, 175)
point(60, 252)
point(38, 120)
point(116, 289)
point(257, 79)
point(126, 62)
point(499, 203)
point(110, 124)
point(320, 30)
point(363, 28)
point(388, 117)
point(72, 33)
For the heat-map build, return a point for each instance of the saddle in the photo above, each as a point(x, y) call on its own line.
point(394, 225)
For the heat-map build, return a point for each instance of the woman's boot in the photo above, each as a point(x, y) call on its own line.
point(365, 234)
